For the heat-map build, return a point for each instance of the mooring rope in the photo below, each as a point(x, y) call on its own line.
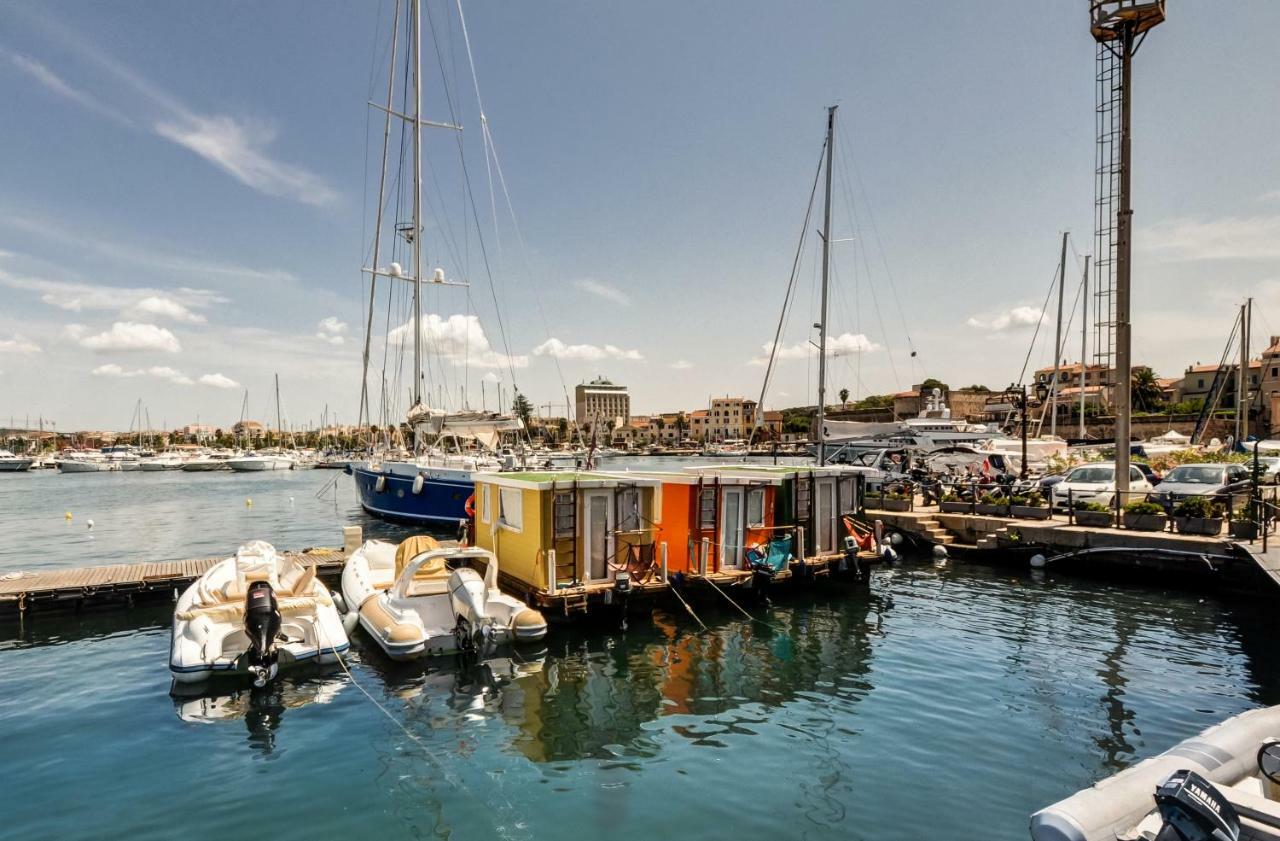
point(676, 593)
point(743, 610)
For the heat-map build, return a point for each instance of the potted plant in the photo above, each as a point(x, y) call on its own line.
point(1031, 506)
point(1243, 526)
point(895, 500)
point(990, 503)
point(1144, 516)
point(1093, 514)
point(1198, 515)
point(953, 504)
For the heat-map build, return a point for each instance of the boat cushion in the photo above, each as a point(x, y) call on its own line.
point(411, 548)
point(230, 611)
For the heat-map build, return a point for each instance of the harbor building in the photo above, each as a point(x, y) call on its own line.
point(1199, 382)
point(601, 401)
point(731, 419)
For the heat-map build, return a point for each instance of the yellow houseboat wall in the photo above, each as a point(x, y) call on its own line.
point(590, 520)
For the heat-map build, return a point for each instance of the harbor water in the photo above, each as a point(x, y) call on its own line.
point(939, 703)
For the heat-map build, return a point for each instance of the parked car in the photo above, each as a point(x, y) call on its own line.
point(1268, 469)
point(1096, 483)
point(1228, 484)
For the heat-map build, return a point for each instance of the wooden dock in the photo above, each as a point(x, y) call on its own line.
point(77, 587)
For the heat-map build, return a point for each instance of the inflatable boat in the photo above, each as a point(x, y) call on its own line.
point(418, 599)
point(1222, 785)
point(252, 615)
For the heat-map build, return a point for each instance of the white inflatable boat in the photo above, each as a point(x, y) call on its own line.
point(253, 615)
point(1223, 785)
point(418, 599)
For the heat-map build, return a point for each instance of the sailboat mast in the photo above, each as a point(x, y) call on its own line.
point(826, 268)
point(364, 414)
point(1084, 339)
point(279, 425)
point(1057, 336)
point(417, 202)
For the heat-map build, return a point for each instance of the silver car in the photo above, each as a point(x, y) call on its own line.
point(1226, 484)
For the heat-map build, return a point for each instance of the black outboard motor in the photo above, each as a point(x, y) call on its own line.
point(261, 625)
point(1193, 810)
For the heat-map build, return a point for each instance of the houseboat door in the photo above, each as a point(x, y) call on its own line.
point(731, 517)
point(597, 534)
point(826, 521)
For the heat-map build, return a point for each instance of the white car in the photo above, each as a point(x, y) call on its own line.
point(1097, 483)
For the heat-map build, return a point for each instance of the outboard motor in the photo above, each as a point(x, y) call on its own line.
point(1193, 810)
point(261, 625)
point(850, 559)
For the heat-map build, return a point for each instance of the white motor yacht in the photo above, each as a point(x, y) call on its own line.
point(85, 461)
point(252, 462)
point(252, 615)
point(170, 460)
point(418, 599)
point(10, 463)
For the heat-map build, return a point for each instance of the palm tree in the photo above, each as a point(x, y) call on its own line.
point(844, 398)
point(1147, 394)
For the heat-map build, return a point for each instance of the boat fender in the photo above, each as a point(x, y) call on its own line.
point(381, 484)
point(349, 621)
point(886, 552)
point(470, 506)
point(417, 484)
point(1038, 561)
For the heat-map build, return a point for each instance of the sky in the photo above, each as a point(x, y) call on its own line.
point(187, 198)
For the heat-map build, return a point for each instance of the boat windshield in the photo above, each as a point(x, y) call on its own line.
point(1091, 475)
point(1196, 474)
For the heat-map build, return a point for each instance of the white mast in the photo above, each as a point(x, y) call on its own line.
point(1057, 337)
point(822, 325)
point(417, 203)
point(1084, 340)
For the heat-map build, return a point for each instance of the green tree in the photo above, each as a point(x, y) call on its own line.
point(931, 383)
point(981, 388)
point(844, 398)
point(1147, 394)
point(875, 401)
point(522, 408)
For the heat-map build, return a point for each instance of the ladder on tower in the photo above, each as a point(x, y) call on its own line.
point(1106, 204)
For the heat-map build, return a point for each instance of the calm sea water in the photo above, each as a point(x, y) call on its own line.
point(939, 703)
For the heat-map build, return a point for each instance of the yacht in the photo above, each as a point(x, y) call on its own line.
point(122, 456)
point(169, 460)
point(85, 461)
point(932, 429)
point(258, 461)
point(10, 463)
point(207, 462)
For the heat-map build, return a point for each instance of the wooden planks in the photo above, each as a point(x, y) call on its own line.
point(82, 585)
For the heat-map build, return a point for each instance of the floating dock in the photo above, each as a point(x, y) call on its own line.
point(78, 587)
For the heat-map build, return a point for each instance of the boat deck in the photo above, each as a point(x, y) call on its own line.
point(83, 586)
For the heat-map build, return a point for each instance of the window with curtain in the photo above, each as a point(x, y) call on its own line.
point(629, 509)
point(755, 508)
point(511, 508)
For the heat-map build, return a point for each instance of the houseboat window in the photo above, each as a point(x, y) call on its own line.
point(564, 514)
point(707, 509)
point(755, 508)
point(802, 499)
point(511, 511)
point(485, 515)
point(847, 502)
point(629, 509)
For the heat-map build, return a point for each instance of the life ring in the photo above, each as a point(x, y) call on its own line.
point(470, 506)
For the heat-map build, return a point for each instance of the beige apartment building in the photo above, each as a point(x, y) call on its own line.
point(602, 401)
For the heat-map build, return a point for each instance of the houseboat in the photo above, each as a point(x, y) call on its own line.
point(570, 541)
point(812, 502)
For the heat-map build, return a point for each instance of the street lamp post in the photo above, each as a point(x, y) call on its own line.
point(1019, 393)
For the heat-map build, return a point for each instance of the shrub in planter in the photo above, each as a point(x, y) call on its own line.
point(1093, 514)
point(1198, 515)
point(1031, 506)
point(1243, 526)
point(893, 501)
point(954, 504)
point(989, 503)
point(1144, 516)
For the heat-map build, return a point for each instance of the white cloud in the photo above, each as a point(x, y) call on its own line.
point(459, 339)
point(131, 302)
point(1010, 319)
point(332, 330)
point(218, 381)
point(555, 347)
point(55, 83)
point(841, 345)
point(161, 372)
point(604, 290)
point(18, 344)
point(681, 365)
point(1229, 238)
point(131, 336)
point(491, 377)
point(161, 306)
point(238, 148)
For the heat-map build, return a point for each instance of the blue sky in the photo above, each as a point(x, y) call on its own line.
point(187, 203)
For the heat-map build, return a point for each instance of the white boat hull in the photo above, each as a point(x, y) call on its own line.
point(412, 616)
point(208, 635)
point(86, 466)
point(258, 463)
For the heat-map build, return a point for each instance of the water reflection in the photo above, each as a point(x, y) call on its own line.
point(262, 710)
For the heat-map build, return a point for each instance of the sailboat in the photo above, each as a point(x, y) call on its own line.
point(433, 484)
point(260, 460)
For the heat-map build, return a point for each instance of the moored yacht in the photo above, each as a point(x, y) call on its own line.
point(10, 463)
point(256, 461)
